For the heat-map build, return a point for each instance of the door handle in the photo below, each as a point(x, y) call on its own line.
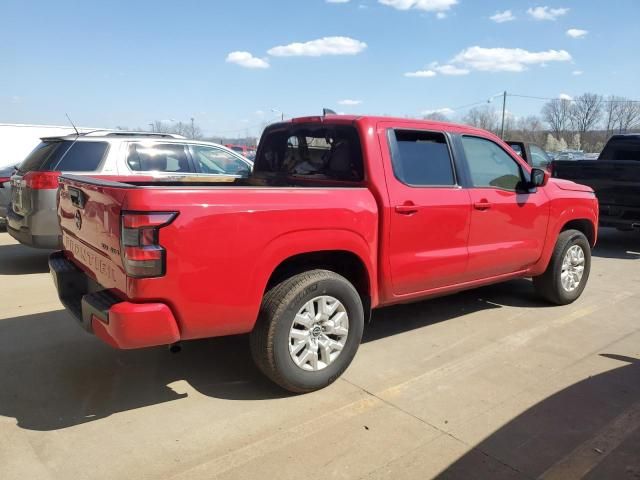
point(408, 208)
point(482, 205)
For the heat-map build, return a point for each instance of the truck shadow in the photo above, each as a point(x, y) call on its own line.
point(617, 245)
point(588, 430)
point(22, 260)
point(53, 375)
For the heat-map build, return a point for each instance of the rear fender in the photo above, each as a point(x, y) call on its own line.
point(310, 241)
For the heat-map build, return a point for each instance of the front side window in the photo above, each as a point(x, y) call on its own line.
point(217, 161)
point(539, 157)
point(421, 158)
point(158, 157)
point(490, 165)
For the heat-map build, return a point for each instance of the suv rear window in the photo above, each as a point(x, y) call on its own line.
point(65, 155)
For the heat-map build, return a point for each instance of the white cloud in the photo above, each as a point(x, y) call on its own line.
point(501, 17)
point(565, 96)
point(577, 72)
point(443, 111)
point(349, 102)
point(259, 113)
point(247, 60)
point(425, 5)
point(317, 48)
point(421, 74)
point(338, 1)
point(577, 33)
point(547, 13)
point(449, 69)
point(505, 59)
point(441, 15)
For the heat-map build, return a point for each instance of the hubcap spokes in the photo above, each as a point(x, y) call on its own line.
point(319, 333)
point(572, 268)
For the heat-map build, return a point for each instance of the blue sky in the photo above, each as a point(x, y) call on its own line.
point(132, 62)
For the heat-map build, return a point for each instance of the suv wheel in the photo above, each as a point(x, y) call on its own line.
point(308, 330)
point(568, 271)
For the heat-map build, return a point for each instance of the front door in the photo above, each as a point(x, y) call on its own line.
point(508, 222)
point(429, 212)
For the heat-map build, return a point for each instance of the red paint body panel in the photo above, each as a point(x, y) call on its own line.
point(137, 325)
point(226, 241)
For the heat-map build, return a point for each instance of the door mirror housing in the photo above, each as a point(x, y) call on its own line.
point(539, 177)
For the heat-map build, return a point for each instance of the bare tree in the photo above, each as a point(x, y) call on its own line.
point(189, 130)
point(530, 129)
point(437, 116)
point(586, 111)
point(557, 113)
point(612, 113)
point(629, 115)
point(483, 117)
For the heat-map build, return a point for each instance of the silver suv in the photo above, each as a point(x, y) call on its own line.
point(31, 216)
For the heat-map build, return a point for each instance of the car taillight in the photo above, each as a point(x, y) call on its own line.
point(42, 180)
point(4, 180)
point(142, 255)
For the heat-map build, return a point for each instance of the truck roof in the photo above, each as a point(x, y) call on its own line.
point(373, 119)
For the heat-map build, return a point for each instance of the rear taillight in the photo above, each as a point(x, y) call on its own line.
point(142, 254)
point(42, 180)
point(4, 180)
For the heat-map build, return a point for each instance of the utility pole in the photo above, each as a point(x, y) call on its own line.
point(193, 132)
point(152, 129)
point(504, 111)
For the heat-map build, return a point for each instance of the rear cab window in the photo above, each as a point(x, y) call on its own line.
point(65, 155)
point(421, 158)
point(324, 152)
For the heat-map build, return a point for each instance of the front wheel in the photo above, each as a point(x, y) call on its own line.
point(568, 271)
point(308, 330)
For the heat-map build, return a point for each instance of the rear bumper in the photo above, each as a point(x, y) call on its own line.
point(121, 324)
point(20, 228)
point(620, 216)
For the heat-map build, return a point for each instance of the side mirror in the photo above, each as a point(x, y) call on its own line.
point(539, 177)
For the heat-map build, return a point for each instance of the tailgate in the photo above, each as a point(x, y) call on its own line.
point(89, 216)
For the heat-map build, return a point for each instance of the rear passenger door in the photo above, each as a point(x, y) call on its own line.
point(429, 212)
point(158, 159)
point(508, 220)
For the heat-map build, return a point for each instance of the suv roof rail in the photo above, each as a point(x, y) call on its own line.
point(123, 133)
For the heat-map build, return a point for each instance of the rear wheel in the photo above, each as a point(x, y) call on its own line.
point(568, 271)
point(308, 330)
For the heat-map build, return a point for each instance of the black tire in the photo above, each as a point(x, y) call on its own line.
point(270, 337)
point(548, 285)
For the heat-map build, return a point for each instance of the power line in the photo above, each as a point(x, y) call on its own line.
point(558, 98)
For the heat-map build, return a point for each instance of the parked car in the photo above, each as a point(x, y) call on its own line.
point(615, 177)
point(5, 191)
point(32, 217)
point(533, 154)
point(343, 214)
point(244, 150)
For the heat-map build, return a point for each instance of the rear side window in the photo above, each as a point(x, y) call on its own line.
point(82, 157)
point(158, 157)
point(217, 161)
point(65, 155)
point(421, 158)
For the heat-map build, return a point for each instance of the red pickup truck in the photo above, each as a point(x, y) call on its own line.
point(341, 215)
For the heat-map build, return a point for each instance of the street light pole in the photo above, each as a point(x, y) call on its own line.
point(504, 111)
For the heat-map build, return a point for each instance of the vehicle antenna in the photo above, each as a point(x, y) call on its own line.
point(72, 124)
